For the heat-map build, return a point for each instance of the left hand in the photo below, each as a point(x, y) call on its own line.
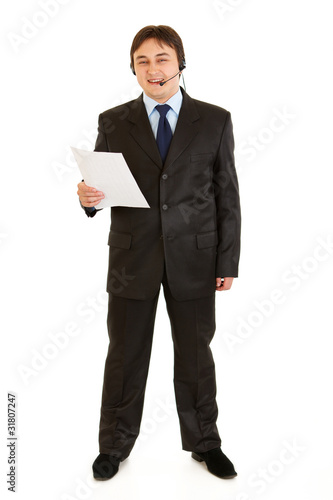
point(223, 285)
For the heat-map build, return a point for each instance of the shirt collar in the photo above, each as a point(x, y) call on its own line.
point(174, 102)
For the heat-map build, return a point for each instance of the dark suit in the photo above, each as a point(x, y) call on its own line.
point(189, 236)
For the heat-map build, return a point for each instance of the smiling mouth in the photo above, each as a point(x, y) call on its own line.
point(156, 81)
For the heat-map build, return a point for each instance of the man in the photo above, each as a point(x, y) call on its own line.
point(180, 151)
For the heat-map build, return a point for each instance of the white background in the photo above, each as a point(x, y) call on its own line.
point(257, 59)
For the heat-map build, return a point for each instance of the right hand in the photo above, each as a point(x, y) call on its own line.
point(89, 196)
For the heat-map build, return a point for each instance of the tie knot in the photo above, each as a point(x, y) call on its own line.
point(163, 109)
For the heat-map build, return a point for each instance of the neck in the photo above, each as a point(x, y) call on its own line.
point(164, 100)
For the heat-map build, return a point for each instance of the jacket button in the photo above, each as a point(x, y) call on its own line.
point(165, 207)
point(164, 176)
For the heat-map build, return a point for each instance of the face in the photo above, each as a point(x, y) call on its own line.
point(154, 63)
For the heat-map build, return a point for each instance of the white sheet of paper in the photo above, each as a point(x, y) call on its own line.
point(109, 173)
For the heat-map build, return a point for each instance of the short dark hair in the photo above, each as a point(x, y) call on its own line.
point(163, 34)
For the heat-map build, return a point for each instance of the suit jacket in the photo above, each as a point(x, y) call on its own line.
point(193, 223)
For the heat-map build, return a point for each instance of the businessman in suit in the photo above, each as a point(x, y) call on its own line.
point(181, 154)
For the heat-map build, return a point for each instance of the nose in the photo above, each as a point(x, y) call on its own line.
point(152, 68)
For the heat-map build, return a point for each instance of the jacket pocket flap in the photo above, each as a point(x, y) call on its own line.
point(120, 240)
point(205, 240)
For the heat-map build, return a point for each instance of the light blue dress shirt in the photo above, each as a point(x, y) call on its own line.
point(175, 102)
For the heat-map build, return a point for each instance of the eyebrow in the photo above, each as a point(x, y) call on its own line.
point(157, 55)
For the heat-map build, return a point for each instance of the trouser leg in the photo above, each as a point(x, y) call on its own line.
point(193, 327)
point(130, 328)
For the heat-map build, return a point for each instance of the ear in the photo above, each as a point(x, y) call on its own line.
point(132, 69)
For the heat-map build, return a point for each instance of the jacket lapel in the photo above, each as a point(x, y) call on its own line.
point(186, 130)
point(142, 132)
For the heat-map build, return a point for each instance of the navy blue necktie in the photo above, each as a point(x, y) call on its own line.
point(164, 134)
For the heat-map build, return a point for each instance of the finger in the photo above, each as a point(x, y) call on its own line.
point(225, 286)
point(84, 194)
point(82, 186)
point(91, 199)
point(228, 283)
point(90, 192)
point(90, 203)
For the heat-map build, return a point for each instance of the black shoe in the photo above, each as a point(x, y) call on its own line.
point(217, 463)
point(105, 467)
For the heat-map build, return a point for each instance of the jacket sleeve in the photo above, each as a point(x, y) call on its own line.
point(227, 201)
point(101, 145)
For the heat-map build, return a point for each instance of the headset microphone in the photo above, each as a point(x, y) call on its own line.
point(165, 81)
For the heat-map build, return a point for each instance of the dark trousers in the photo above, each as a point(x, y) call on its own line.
point(130, 327)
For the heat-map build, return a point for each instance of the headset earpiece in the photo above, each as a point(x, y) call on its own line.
point(182, 65)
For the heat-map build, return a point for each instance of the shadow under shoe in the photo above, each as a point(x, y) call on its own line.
point(217, 463)
point(105, 467)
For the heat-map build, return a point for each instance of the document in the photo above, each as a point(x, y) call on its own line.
point(109, 173)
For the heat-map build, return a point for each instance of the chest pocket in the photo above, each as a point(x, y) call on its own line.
point(203, 158)
point(201, 168)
